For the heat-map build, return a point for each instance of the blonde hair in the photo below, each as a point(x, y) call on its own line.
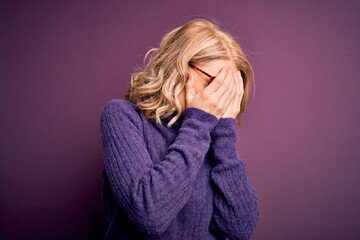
point(156, 87)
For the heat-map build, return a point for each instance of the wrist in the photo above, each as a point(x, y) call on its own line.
point(224, 128)
point(233, 116)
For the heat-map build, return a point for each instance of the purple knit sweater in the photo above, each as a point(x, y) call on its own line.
point(182, 182)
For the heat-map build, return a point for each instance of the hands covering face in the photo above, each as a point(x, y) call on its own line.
point(222, 97)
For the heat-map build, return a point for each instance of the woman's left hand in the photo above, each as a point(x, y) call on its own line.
point(234, 107)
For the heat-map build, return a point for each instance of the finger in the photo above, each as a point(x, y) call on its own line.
point(225, 90)
point(217, 82)
point(226, 99)
point(230, 101)
point(189, 85)
point(221, 92)
point(238, 89)
point(189, 91)
point(241, 82)
point(234, 91)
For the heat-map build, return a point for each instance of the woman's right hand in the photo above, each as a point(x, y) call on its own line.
point(214, 98)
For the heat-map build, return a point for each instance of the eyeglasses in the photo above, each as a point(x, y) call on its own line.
point(203, 72)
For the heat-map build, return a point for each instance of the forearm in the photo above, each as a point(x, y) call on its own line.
point(235, 203)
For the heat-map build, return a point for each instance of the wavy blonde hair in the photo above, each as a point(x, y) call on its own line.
point(155, 89)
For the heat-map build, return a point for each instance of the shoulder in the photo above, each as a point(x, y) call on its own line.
point(122, 105)
point(121, 110)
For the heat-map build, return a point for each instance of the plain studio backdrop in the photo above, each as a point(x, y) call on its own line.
point(61, 61)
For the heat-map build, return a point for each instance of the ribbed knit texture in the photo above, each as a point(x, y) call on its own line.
point(182, 182)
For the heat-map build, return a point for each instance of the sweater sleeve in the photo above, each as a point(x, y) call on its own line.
point(235, 203)
point(152, 194)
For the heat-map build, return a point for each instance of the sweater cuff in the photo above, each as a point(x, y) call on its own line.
point(203, 118)
point(224, 128)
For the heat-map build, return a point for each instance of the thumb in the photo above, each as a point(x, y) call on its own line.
point(189, 91)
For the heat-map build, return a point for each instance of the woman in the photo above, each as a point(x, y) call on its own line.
point(182, 180)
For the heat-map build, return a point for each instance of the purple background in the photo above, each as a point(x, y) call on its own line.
point(61, 61)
